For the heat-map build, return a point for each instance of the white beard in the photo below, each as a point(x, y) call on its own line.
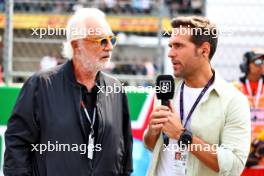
point(95, 66)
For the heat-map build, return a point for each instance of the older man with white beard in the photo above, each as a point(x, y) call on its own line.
point(61, 124)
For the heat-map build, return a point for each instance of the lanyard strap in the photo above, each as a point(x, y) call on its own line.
point(88, 117)
point(210, 82)
point(259, 90)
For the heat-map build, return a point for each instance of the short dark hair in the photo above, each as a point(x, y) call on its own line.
point(208, 31)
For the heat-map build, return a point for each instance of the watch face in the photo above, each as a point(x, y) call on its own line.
point(187, 137)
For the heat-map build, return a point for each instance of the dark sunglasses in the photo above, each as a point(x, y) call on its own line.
point(104, 41)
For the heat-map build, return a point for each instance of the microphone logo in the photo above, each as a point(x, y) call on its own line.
point(165, 86)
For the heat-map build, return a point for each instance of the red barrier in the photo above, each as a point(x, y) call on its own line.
point(253, 172)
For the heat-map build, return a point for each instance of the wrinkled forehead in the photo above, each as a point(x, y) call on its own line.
point(91, 27)
point(99, 25)
point(179, 36)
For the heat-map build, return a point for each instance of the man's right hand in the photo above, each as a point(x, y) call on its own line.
point(158, 117)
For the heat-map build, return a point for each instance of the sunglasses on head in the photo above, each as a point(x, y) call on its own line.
point(104, 41)
point(258, 62)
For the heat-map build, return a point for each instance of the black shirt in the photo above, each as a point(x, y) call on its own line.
point(89, 99)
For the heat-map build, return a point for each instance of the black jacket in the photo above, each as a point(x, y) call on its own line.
point(48, 111)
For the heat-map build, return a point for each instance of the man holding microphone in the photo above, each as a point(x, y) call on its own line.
point(207, 114)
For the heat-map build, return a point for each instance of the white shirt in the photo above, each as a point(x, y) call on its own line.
point(222, 119)
point(166, 165)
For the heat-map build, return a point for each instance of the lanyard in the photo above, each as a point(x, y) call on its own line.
point(88, 117)
point(210, 82)
point(259, 90)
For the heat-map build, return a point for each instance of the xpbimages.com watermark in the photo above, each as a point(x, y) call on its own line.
point(74, 31)
point(194, 147)
point(58, 147)
point(196, 31)
point(117, 88)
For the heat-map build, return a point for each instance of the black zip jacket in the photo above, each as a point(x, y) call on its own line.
point(48, 111)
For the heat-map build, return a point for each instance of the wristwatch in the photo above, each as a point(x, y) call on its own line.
point(185, 138)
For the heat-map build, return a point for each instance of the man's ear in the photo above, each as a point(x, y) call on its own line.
point(205, 49)
point(74, 44)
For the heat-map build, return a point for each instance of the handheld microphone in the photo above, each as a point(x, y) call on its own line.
point(165, 88)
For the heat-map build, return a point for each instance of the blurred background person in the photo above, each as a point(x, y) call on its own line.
point(251, 84)
point(256, 156)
